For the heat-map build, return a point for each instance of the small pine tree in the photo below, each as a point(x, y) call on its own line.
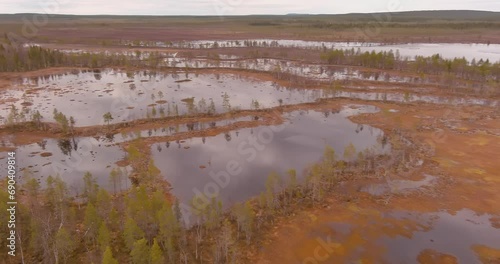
point(211, 108)
point(156, 253)
point(108, 257)
point(140, 252)
point(114, 220)
point(92, 222)
point(37, 118)
point(349, 152)
point(107, 117)
point(131, 233)
point(104, 238)
point(72, 123)
point(226, 103)
point(64, 244)
point(90, 187)
point(114, 178)
point(103, 203)
point(153, 112)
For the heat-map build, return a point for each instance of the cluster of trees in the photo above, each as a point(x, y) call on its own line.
point(255, 104)
point(203, 106)
point(24, 117)
point(172, 109)
point(57, 228)
point(66, 124)
point(249, 43)
point(20, 58)
point(15, 57)
point(23, 58)
point(460, 67)
point(382, 60)
point(207, 45)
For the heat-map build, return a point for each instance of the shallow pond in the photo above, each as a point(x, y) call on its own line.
point(313, 71)
point(413, 98)
point(452, 234)
point(235, 165)
point(400, 236)
point(171, 130)
point(69, 159)
point(134, 95)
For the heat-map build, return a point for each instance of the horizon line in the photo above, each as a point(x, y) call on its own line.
point(287, 14)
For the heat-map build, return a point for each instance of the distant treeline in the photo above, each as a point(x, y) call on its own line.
point(449, 25)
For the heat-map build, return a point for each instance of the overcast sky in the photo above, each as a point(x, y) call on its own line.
point(236, 7)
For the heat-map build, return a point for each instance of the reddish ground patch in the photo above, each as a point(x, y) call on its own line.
point(430, 256)
point(487, 255)
point(122, 163)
